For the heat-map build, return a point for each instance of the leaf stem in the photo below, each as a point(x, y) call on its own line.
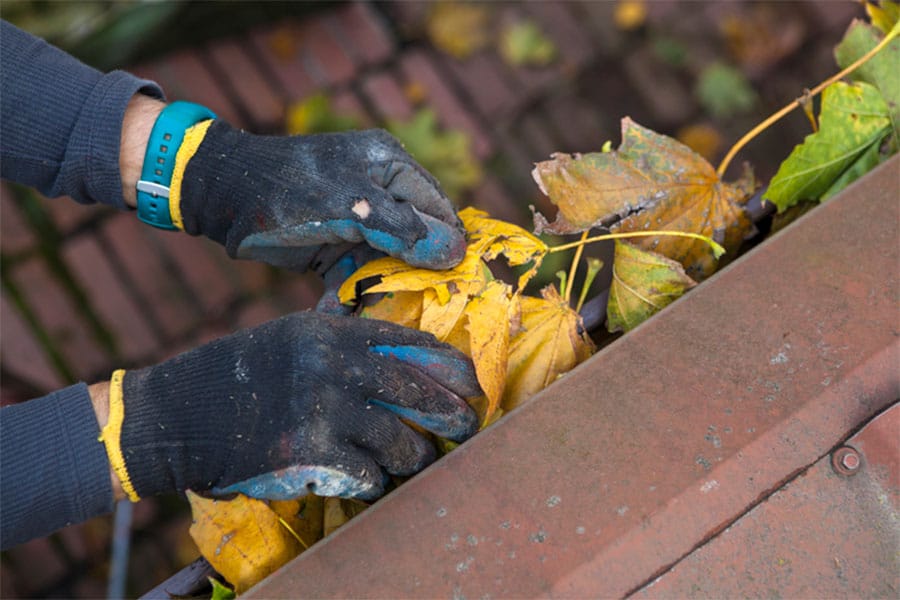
point(574, 268)
point(798, 102)
point(293, 533)
point(718, 250)
point(594, 266)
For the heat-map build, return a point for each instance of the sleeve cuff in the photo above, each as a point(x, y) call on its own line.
point(54, 472)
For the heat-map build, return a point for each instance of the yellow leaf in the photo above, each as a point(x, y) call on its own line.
point(551, 341)
point(459, 28)
point(398, 276)
point(242, 538)
point(439, 318)
point(489, 316)
point(643, 284)
point(338, 511)
point(303, 515)
point(402, 308)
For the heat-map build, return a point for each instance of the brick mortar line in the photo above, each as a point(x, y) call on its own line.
point(50, 243)
point(60, 365)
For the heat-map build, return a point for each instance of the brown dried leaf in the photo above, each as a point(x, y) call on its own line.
point(651, 182)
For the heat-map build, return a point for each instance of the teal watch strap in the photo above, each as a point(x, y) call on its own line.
point(159, 161)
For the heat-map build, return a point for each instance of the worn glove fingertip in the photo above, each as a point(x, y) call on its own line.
point(443, 246)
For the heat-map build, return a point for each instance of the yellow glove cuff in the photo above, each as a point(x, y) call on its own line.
point(192, 139)
point(111, 434)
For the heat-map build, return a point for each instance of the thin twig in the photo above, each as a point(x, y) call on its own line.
point(718, 250)
point(574, 268)
point(794, 104)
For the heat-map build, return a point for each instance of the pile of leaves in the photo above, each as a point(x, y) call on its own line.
point(672, 217)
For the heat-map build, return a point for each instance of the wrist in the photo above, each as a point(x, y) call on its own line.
point(99, 393)
point(175, 137)
point(140, 116)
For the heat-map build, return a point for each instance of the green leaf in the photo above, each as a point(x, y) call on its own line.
point(881, 70)
point(220, 591)
point(644, 283)
point(853, 118)
point(524, 44)
point(868, 160)
point(447, 154)
point(724, 91)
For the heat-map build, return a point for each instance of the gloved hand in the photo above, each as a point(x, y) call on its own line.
point(281, 200)
point(306, 403)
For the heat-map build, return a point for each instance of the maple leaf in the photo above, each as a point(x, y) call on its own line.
point(853, 121)
point(551, 341)
point(643, 284)
point(489, 315)
point(488, 239)
point(651, 182)
point(243, 539)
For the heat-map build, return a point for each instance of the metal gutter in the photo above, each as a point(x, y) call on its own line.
point(643, 455)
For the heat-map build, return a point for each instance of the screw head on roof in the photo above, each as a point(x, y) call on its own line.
point(846, 460)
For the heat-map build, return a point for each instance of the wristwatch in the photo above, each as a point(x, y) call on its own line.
point(159, 161)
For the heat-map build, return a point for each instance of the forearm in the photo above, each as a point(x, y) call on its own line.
point(62, 120)
point(54, 472)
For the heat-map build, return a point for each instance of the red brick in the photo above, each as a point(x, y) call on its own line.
point(184, 77)
point(56, 312)
point(409, 16)
point(483, 78)
point(286, 64)
point(576, 122)
point(387, 96)
point(210, 283)
point(493, 198)
point(418, 67)
point(134, 337)
point(22, 353)
point(141, 250)
point(259, 100)
point(539, 140)
point(252, 276)
point(599, 17)
point(661, 89)
point(8, 581)
point(571, 39)
point(68, 215)
point(15, 234)
point(533, 80)
point(37, 565)
point(324, 47)
point(256, 313)
point(370, 41)
point(302, 292)
point(346, 102)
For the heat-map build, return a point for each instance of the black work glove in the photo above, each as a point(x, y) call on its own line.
point(306, 403)
point(282, 200)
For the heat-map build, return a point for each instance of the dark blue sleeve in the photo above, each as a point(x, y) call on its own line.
point(62, 120)
point(53, 470)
